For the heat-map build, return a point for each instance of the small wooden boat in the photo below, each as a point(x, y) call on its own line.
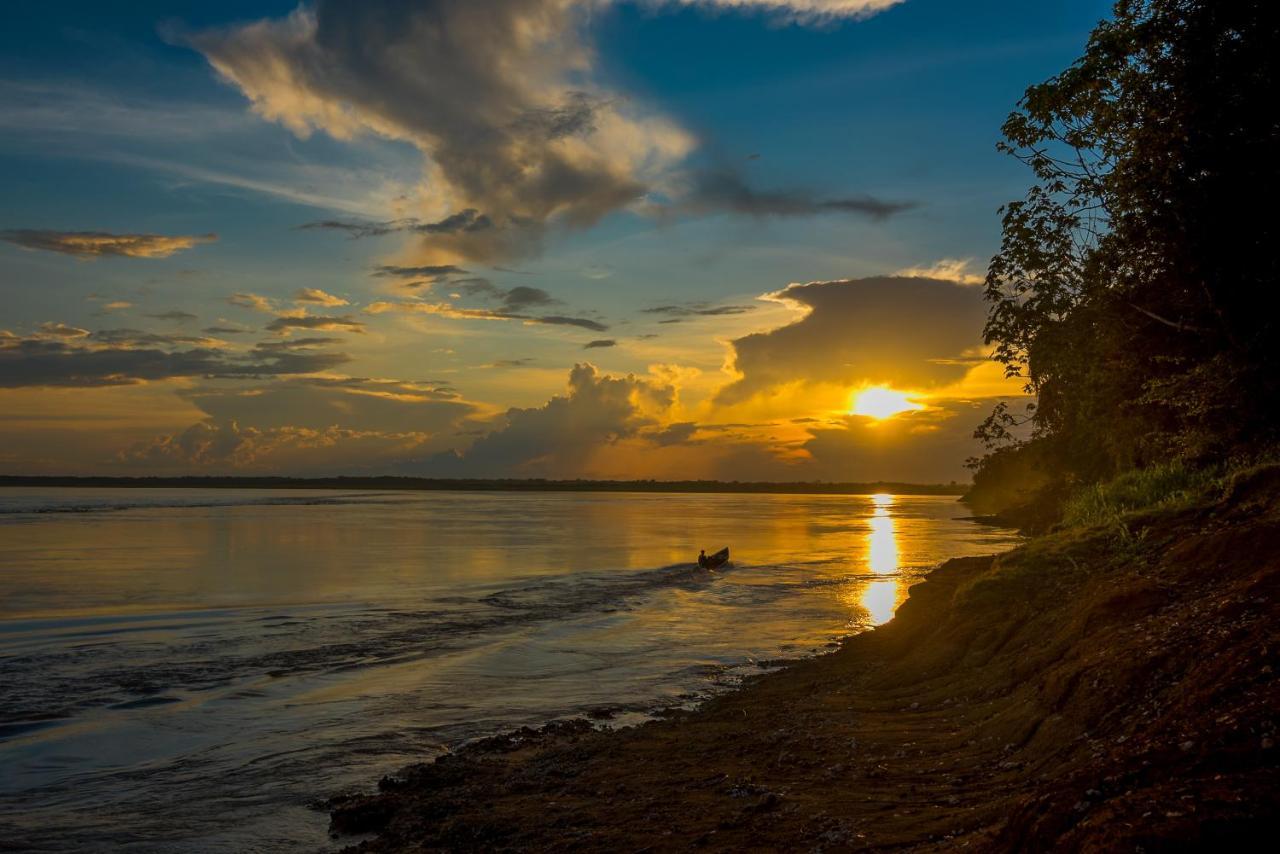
point(714, 561)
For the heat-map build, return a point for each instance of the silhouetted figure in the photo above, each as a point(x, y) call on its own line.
point(702, 558)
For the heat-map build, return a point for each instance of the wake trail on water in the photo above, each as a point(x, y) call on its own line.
point(57, 670)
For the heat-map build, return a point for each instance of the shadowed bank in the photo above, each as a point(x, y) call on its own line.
point(985, 714)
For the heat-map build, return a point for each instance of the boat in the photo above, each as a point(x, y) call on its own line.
point(714, 561)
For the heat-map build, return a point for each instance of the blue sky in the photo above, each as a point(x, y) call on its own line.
point(695, 155)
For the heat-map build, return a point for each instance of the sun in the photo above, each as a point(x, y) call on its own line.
point(880, 402)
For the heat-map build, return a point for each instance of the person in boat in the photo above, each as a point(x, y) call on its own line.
point(702, 558)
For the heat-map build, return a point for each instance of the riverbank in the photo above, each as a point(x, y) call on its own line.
point(1102, 689)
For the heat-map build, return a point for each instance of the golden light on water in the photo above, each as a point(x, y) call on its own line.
point(880, 597)
point(880, 402)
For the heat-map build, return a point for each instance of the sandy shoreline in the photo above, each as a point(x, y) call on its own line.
point(1078, 692)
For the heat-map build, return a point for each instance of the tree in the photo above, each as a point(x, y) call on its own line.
point(1132, 285)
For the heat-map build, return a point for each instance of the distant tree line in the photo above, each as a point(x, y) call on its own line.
point(391, 482)
point(1134, 286)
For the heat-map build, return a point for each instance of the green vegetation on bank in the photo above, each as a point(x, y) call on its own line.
point(1129, 289)
point(480, 485)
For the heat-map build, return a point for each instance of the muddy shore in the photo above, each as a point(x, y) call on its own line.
point(1095, 690)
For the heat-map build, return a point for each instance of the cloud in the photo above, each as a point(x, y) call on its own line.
point(344, 323)
point(357, 403)
point(469, 220)
point(518, 298)
point(212, 447)
point(61, 330)
point(253, 302)
point(678, 433)
point(176, 316)
point(458, 313)
point(903, 332)
point(428, 271)
point(557, 439)
point(137, 338)
point(600, 343)
point(694, 309)
point(318, 297)
point(98, 244)
point(309, 425)
point(953, 269)
point(799, 10)
point(726, 190)
point(127, 357)
point(560, 320)
point(496, 95)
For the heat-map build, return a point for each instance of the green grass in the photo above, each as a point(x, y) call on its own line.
point(1166, 486)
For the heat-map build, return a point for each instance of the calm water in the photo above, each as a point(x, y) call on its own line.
point(185, 669)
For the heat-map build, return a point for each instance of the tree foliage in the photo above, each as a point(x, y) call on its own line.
point(1133, 286)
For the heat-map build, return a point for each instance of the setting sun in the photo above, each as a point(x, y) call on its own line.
point(881, 402)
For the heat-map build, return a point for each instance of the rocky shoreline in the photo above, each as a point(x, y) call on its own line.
point(1092, 690)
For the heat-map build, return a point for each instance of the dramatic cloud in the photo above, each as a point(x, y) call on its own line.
point(175, 316)
point(500, 98)
point(315, 296)
point(725, 190)
point(905, 332)
point(556, 439)
point(97, 244)
point(494, 94)
point(599, 344)
point(287, 323)
point(126, 357)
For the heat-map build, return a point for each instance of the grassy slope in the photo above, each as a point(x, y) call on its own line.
point(1096, 690)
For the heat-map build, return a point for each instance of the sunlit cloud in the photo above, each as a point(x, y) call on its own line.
point(100, 244)
point(501, 99)
point(900, 332)
point(458, 313)
point(952, 269)
point(315, 296)
point(254, 302)
point(288, 323)
point(65, 356)
point(799, 10)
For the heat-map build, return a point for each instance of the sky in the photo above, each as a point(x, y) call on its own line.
point(670, 239)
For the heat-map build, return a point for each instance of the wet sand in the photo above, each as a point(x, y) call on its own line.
point(1092, 691)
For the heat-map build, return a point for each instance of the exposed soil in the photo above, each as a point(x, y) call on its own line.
point(1093, 691)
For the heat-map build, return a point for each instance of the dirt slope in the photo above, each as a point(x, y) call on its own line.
point(1097, 691)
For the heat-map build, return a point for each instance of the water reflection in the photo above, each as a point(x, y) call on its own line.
point(881, 597)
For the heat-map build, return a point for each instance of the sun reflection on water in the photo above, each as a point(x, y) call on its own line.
point(880, 597)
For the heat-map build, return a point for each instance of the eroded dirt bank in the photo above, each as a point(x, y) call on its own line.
point(1111, 690)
